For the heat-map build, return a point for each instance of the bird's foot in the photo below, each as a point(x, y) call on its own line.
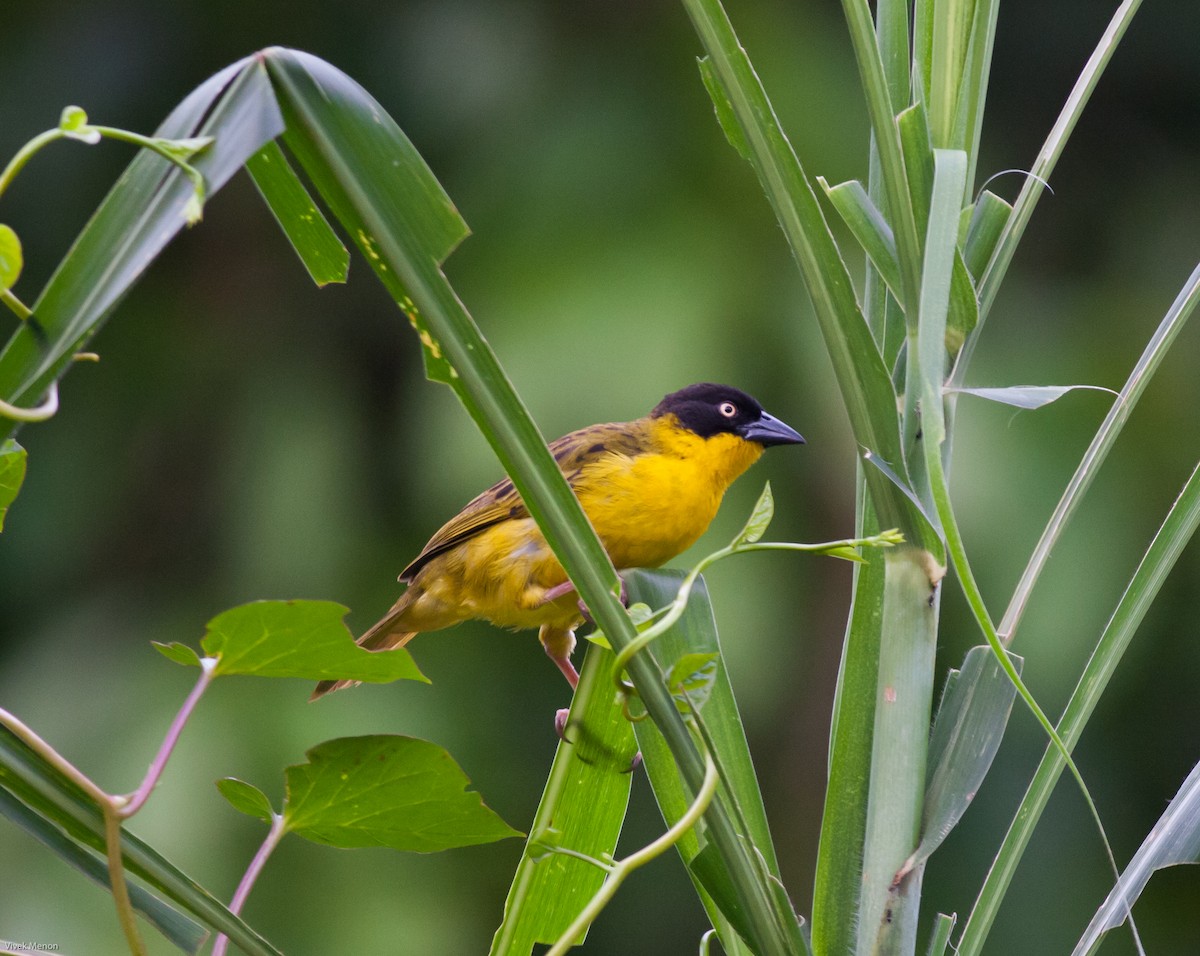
point(560, 722)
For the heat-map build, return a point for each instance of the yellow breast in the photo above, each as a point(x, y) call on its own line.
point(649, 507)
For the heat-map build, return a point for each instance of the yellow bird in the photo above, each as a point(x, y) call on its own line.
point(650, 488)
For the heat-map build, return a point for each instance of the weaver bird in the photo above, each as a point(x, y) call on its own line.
point(650, 488)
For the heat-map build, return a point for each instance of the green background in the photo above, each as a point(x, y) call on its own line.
point(247, 436)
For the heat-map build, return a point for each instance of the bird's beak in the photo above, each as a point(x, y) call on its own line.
point(769, 430)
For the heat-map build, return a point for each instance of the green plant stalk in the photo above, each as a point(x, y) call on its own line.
point(838, 880)
point(25, 154)
point(39, 413)
point(887, 918)
point(15, 305)
point(674, 611)
point(838, 875)
point(903, 701)
point(116, 874)
point(1106, 435)
point(1043, 167)
point(1176, 531)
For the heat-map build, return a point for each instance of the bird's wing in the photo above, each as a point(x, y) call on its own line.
point(501, 501)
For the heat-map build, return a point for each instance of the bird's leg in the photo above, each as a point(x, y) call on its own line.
point(561, 590)
point(558, 643)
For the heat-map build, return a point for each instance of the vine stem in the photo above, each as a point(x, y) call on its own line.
point(131, 803)
point(116, 808)
point(274, 835)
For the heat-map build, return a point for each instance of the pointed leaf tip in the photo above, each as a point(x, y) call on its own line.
point(760, 518)
point(245, 798)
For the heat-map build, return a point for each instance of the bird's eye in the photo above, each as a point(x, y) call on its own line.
point(728, 409)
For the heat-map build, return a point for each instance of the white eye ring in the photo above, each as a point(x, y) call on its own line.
point(728, 409)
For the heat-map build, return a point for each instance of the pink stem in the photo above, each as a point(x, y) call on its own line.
point(136, 799)
point(274, 835)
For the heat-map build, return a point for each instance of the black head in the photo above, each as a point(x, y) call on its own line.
point(709, 409)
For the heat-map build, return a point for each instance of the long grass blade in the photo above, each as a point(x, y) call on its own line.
point(1174, 839)
point(580, 815)
point(405, 226)
point(1177, 529)
point(46, 792)
point(1089, 466)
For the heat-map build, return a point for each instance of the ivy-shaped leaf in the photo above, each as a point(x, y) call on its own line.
point(387, 790)
point(12, 473)
point(305, 639)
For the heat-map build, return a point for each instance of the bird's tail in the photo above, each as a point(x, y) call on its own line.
point(382, 637)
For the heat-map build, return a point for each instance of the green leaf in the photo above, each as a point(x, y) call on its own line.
point(939, 939)
point(387, 790)
point(838, 883)
point(305, 639)
point(74, 122)
point(177, 652)
point(724, 109)
point(951, 33)
point(11, 258)
point(1026, 396)
point(582, 810)
point(246, 798)
point(867, 225)
point(691, 681)
point(1174, 839)
point(40, 791)
point(348, 145)
point(760, 518)
point(142, 213)
point(13, 459)
point(950, 169)
point(184, 933)
point(695, 636)
point(988, 218)
point(968, 728)
point(305, 226)
point(918, 162)
point(963, 314)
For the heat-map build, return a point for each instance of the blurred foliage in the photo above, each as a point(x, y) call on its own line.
point(246, 436)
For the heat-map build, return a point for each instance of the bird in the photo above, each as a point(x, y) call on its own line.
point(650, 488)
